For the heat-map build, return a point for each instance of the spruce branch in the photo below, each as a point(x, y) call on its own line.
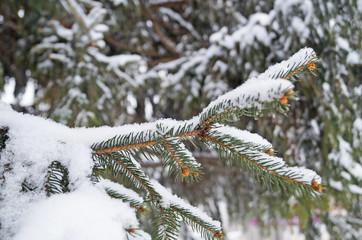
point(206, 230)
point(3, 137)
point(164, 139)
point(249, 98)
point(120, 165)
point(252, 96)
point(257, 155)
point(118, 191)
point(176, 152)
point(57, 179)
point(126, 198)
point(197, 219)
point(304, 58)
point(165, 225)
point(128, 141)
point(167, 203)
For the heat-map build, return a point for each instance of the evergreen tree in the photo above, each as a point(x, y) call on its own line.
point(114, 62)
point(30, 172)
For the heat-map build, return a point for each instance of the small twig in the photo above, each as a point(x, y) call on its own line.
point(208, 229)
point(184, 171)
point(126, 47)
point(134, 175)
point(127, 147)
point(166, 41)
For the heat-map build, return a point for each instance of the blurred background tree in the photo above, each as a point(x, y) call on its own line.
point(110, 62)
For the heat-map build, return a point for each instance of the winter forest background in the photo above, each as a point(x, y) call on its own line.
point(86, 63)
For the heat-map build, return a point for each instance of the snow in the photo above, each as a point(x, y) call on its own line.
point(61, 58)
point(163, 1)
point(86, 213)
point(301, 174)
point(8, 95)
point(60, 31)
point(197, 61)
point(118, 2)
point(177, 17)
point(220, 66)
point(96, 15)
point(55, 46)
point(299, 19)
point(219, 35)
point(355, 189)
point(101, 28)
point(32, 145)
point(117, 60)
point(353, 58)
point(357, 132)
point(359, 5)
point(50, 39)
point(336, 185)
point(214, 88)
point(77, 10)
point(246, 35)
point(345, 159)
point(344, 224)
point(114, 63)
point(343, 44)
point(244, 135)
point(315, 127)
point(31, 215)
point(300, 28)
point(148, 109)
point(344, 88)
point(346, 175)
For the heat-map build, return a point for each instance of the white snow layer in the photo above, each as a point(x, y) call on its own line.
point(345, 158)
point(354, 58)
point(32, 145)
point(87, 213)
point(355, 189)
point(118, 2)
point(244, 135)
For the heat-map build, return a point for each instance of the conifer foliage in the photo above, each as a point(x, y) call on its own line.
point(118, 152)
